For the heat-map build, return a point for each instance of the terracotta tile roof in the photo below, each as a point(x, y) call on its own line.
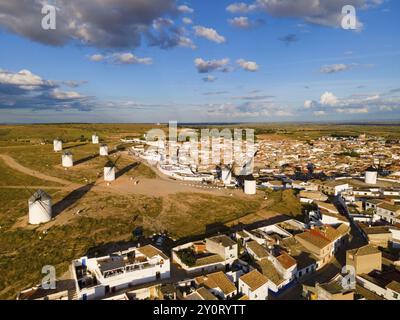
point(286, 260)
point(258, 249)
point(217, 280)
point(267, 269)
point(201, 294)
point(315, 238)
point(254, 279)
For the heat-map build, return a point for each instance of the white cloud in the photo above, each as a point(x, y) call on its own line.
point(204, 66)
point(129, 58)
point(352, 110)
point(284, 113)
point(97, 57)
point(121, 58)
point(328, 99)
point(248, 110)
point(186, 42)
point(65, 95)
point(333, 68)
point(308, 104)
point(209, 33)
point(240, 22)
point(326, 13)
point(26, 90)
point(248, 65)
point(187, 20)
point(23, 79)
point(185, 9)
point(241, 7)
point(209, 78)
point(355, 104)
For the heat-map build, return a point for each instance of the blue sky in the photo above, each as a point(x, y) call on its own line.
point(259, 60)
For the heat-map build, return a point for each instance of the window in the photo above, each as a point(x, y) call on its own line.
point(395, 295)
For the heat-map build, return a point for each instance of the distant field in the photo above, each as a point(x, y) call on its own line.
point(307, 131)
point(22, 134)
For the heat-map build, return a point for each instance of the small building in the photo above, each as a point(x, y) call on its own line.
point(218, 284)
point(224, 246)
point(378, 236)
point(317, 244)
point(96, 278)
point(388, 212)
point(364, 259)
point(331, 290)
point(334, 187)
point(384, 284)
point(254, 285)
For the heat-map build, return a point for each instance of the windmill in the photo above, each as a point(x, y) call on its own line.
point(103, 150)
point(109, 170)
point(40, 207)
point(67, 160)
point(247, 168)
point(57, 145)
point(226, 174)
point(95, 139)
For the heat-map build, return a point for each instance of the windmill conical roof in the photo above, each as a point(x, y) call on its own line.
point(39, 195)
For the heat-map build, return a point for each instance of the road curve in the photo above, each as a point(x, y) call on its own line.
point(9, 161)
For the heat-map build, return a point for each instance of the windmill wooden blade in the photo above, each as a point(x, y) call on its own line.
point(115, 163)
point(110, 170)
point(41, 204)
point(231, 168)
point(29, 191)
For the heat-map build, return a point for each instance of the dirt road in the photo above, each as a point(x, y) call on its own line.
point(16, 166)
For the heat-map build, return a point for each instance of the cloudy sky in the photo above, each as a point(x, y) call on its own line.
point(199, 61)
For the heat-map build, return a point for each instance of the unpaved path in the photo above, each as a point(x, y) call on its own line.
point(15, 165)
point(35, 187)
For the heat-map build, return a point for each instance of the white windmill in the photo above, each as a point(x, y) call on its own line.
point(95, 139)
point(371, 175)
point(109, 170)
point(250, 186)
point(103, 150)
point(67, 160)
point(58, 145)
point(226, 175)
point(40, 207)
